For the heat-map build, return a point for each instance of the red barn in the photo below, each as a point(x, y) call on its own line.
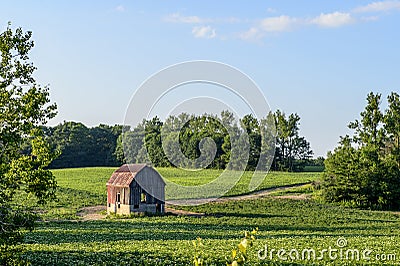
point(135, 188)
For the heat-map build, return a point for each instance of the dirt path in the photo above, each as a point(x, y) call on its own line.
point(263, 193)
point(294, 197)
point(93, 212)
point(253, 195)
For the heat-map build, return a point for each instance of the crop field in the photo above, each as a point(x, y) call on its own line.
point(167, 240)
point(320, 234)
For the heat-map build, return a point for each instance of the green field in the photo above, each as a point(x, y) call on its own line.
point(82, 187)
point(167, 240)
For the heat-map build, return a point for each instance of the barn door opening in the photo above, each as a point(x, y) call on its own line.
point(135, 194)
point(143, 198)
point(118, 200)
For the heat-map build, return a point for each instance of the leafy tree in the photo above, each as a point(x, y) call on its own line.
point(203, 133)
point(392, 127)
point(319, 161)
point(24, 106)
point(235, 145)
point(129, 143)
point(363, 170)
point(292, 150)
point(153, 143)
point(368, 131)
point(81, 146)
point(268, 141)
point(71, 139)
point(251, 125)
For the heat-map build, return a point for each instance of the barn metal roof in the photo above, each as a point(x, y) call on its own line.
point(131, 168)
point(124, 175)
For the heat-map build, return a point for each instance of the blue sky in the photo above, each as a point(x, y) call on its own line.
point(316, 58)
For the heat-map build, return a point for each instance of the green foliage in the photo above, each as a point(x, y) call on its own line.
point(292, 151)
point(191, 141)
point(392, 127)
point(364, 171)
point(185, 140)
point(24, 108)
point(251, 126)
point(239, 255)
point(198, 258)
point(81, 146)
point(153, 143)
point(308, 189)
point(78, 188)
point(168, 240)
point(315, 165)
point(129, 144)
point(83, 187)
point(12, 255)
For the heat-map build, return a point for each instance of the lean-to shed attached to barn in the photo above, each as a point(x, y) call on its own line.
point(135, 188)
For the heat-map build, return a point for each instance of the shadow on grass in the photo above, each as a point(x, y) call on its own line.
point(246, 215)
point(102, 258)
point(135, 258)
point(141, 229)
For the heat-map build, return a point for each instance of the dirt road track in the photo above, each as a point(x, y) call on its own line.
point(93, 212)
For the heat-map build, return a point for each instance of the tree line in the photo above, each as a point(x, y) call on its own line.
point(81, 146)
point(186, 140)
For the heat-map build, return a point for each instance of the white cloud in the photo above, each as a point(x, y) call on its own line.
point(204, 32)
point(120, 8)
point(178, 18)
point(287, 23)
point(370, 18)
point(259, 28)
point(252, 34)
point(276, 24)
point(378, 6)
point(333, 20)
point(230, 20)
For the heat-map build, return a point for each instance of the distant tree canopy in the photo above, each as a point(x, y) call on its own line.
point(364, 170)
point(81, 146)
point(217, 142)
point(186, 141)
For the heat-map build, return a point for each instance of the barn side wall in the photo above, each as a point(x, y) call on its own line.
point(112, 194)
point(151, 181)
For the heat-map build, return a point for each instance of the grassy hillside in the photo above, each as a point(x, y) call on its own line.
point(82, 187)
point(78, 187)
